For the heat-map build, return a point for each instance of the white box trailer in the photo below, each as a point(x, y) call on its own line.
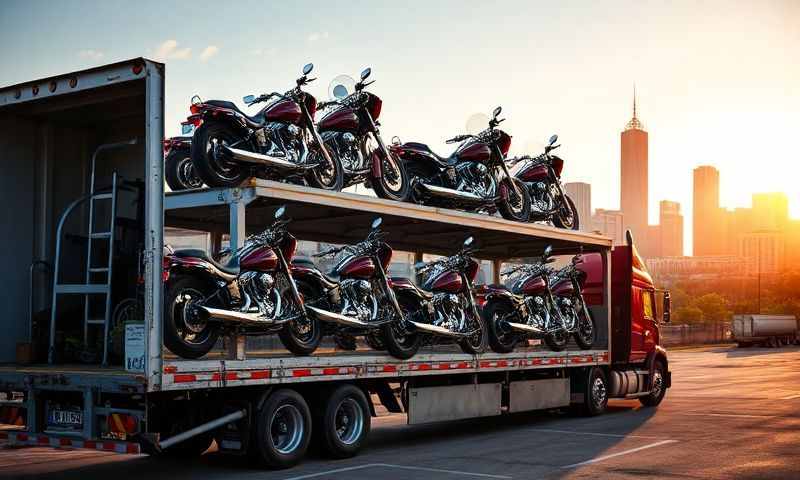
point(49, 130)
point(770, 330)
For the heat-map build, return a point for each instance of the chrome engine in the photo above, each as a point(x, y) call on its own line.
point(259, 295)
point(345, 147)
point(449, 311)
point(283, 141)
point(357, 300)
point(537, 314)
point(475, 177)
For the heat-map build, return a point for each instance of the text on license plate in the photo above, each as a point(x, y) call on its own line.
point(66, 417)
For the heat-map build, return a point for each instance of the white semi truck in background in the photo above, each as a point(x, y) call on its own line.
point(765, 330)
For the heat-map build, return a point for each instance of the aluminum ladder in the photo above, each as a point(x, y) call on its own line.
point(89, 287)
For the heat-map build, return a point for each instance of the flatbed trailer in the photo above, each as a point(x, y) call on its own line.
point(176, 404)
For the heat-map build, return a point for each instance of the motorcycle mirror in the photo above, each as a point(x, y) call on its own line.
point(497, 111)
point(307, 68)
point(469, 241)
point(377, 223)
point(548, 250)
point(249, 99)
point(365, 73)
point(553, 139)
point(279, 212)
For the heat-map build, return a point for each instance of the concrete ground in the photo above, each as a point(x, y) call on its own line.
point(732, 413)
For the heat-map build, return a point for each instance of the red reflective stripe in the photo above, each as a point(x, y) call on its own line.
point(464, 365)
point(184, 377)
point(42, 440)
point(170, 369)
point(443, 366)
point(65, 442)
point(217, 376)
point(301, 372)
point(260, 374)
point(132, 448)
point(389, 368)
point(330, 371)
point(109, 446)
point(23, 437)
point(424, 366)
point(90, 444)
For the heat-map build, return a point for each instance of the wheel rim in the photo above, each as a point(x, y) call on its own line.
point(392, 177)
point(286, 429)
point(303, 327)
point(566, 216)
point(187, 175)
point(586, 329)
point(598, 393)
point(658, 384)
point(504, 334)
point(325, 176)
point(225, 170)
point(476, 340)
point(516, 201)
point(190, 325)
point(349, 421)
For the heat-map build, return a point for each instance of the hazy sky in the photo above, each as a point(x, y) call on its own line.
point(718, 81)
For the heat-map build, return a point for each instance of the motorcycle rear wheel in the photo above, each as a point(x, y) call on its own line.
point(501, 339)
point(216, 172)
point(186, 334)
point(520, 211)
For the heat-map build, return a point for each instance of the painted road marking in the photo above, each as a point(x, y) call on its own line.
point(734, 415)
point(619, 454)
point(615, 435)
point(403, 467)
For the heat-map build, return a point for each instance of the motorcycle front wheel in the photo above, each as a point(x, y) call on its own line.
point(398, 339)
point(302, 335)
point(501, 337)
point(328, 175)
point(477, 342)
point(567, 215)
point(393, 183)
point(187, 333)
point(585, 336)
point(513, 206)
point(557, 341)
point(211, 168)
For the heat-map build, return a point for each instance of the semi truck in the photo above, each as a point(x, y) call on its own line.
point(85, 208)
point(766, 330)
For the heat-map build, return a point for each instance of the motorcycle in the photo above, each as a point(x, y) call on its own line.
point(475, 177)
point(281, 142)
point(538, 305)
point(253, 293)
point(350, 131)
point(179, 172)
point(443, 310)
point(356, 297)
point(542, 178)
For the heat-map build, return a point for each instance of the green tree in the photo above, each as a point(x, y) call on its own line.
point(714, 307)
point(687, 314)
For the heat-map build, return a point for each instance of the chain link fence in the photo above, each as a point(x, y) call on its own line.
point(719, 332)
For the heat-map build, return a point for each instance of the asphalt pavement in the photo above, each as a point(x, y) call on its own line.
point(731, 413)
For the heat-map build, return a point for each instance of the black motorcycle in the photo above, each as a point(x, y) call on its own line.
point(542, 178)
point(474, 178)
point(281, 142)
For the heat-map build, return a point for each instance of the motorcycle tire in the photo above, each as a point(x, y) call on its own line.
point(375, 341)
point(501, 340)
point(179, 291)
point(521, 213)
point(216, 172)
point(401, 342)
point(333, 182)
point(298, 342)
point(384, 189)
point(179, 171)
point(586, 340)
point(478, 343)
point(557, 341)
point(345, 342)
point(562, 223)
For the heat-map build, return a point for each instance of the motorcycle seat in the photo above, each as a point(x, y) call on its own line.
point(331, 277)
point(426, 150)
point(258, 118)
point(231, 267)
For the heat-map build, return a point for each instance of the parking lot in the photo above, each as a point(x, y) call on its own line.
point(732, 413)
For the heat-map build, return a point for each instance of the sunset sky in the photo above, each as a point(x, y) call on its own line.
point(718, 81)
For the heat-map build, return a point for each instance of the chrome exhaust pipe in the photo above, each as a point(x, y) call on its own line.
point(234, 316)
point(451, 193)
point(521, 327)
point(434, 330)
point(333, 317)
point(261, 159)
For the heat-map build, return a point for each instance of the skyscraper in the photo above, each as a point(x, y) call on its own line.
point(581, 195)
point(670, 229)
point(633, 177)
point(707, 228)
point(610, 224)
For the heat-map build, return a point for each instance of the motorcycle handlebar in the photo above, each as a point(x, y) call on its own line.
point(458, 138)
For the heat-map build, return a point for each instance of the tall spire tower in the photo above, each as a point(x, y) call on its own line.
point(634, 177)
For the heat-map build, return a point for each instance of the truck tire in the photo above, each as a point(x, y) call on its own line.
point(213, 171)
point(186, 334)
point(595, 398)
point(344, 423)
point(657, 389)
point(501, 339)
point(283, 430)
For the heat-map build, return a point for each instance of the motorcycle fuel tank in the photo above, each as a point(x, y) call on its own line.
point(563, 288)
point(531, 286)
point(261, 259)
point(447, 282)
point(475, 152)
point(283, 111)
point(357, 267)
point(533, 173)
point(343, 119)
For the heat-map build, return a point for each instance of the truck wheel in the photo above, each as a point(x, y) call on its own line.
point(595, 400)
point(186, 333)
point(345, 422)
point(501, 337)
point(658, 388)
point(283, 430)
point(214, 171)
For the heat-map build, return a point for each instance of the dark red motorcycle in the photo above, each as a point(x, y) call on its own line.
point(179, 171)
point(253, 293)
point(351, 134)
point(444, 310)
point(542, 178)
point(474, 178)
point(281, 142)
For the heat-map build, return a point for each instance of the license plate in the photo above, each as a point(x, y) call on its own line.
point(66, 418)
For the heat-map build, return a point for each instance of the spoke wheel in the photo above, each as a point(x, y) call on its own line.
point(187, 333)
point(502, 337)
